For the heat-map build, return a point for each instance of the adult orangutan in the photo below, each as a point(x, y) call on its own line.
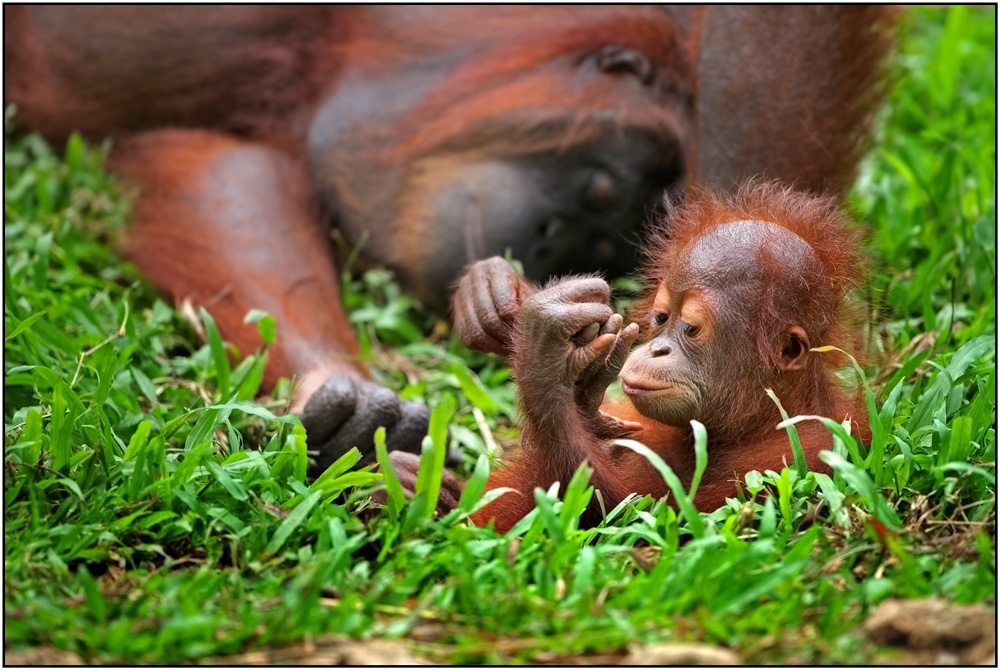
point(741, 288)
point(430, 136)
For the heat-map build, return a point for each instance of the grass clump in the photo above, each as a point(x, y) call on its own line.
point(154, 512)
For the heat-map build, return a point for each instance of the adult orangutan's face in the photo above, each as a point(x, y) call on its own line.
point(561, 163)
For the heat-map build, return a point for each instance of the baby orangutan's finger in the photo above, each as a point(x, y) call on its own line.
point(619, 353)
point(586, 335)
point(608, 427)
point(581, 359)
point(612, 325)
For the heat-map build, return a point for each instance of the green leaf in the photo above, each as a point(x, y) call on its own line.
point(760, 586)
point(266, 325)
point(204, 430)
point(798, 455)
point(768, 520)
point(75, 151)
point(473, 389)
point(192, 459)
point(145, 465)
point(438, 432)
point(960, 443)
point(802, 548)
point(959, 466)
point(415, 512)
point(24, 325)
point(41, 276)
point(839, 432)
point(425, 473)
point(301, 461)
point(63, 420)
point(249, 384)
point(394, 490)
point(545, 503)
point(696, 525)
point(31, 437)
point(700, 455)
point(577, 497)
point(138, 440)
point(96, 604)
point(755, 481)
point(476, 485)
point(231, 486)
point(145, 385)
point(834, 499)
point(784, 486)
point(858, 480)
point(967, 354)
point(583, 579)
point(72, 486)
point(226, 408)
point(343, 464)
point(219, 357)
point(356, 479)
point(105, 360)
point(292, 522)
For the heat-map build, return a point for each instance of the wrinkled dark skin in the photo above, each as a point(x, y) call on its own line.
point(347, 411)
point(569, 328)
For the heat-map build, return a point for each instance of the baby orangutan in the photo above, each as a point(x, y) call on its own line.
point(741, 289)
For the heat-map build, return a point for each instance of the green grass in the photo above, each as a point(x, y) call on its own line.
point(154, 512)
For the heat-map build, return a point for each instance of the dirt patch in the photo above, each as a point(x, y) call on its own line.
point(41, 656)
point(681, 654)
point(328, 650)
point(935, 632)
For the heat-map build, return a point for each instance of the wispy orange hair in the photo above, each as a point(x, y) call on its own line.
point(833, 318)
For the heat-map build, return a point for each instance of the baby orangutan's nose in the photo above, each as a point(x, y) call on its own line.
point(661, 346)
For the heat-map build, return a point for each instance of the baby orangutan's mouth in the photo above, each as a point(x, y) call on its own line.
point(647, 390)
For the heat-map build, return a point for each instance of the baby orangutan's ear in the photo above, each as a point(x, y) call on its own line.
point(794, 349)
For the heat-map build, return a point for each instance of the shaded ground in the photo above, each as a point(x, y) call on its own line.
point(916, 632)
point(934, 632)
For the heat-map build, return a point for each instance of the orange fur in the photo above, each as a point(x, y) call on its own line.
point(736, 91)
point(742, 436)
point(181, 175)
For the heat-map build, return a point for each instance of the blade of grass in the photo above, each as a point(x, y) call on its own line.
point(476, 485)
point(863, 485)
point(691, 515)
point(394, 490)
point(700, 456)
point(798, 456)
point(292, 522)
point(438, 432)
point(219, 357)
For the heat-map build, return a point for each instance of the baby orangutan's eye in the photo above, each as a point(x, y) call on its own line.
point(660, 318)
point(690, 330)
